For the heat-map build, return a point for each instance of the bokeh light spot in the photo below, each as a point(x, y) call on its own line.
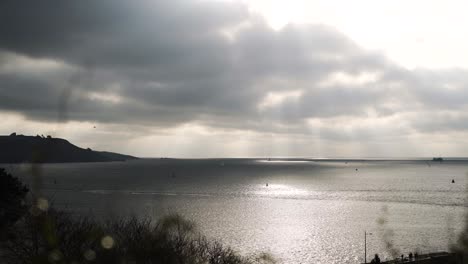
point(107, 242)
point(90, 255)
point(42, 204)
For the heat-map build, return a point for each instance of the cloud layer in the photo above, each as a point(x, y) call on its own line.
point(166, 64)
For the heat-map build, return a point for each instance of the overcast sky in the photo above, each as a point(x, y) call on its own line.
point(220, 78)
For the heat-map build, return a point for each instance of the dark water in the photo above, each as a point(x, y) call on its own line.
point(310, 212)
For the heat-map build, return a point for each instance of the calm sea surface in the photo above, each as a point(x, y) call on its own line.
point(310, 212)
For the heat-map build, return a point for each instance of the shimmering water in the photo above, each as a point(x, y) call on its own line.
point(310, 212)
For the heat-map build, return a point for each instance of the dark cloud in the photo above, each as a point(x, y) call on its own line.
point(166, 63)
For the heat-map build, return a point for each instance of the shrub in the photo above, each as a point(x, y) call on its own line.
point(12, 199)
point(61, 237)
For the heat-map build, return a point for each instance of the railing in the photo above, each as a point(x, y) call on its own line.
point(425, 258)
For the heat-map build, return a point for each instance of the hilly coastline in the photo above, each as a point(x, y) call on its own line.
point(19, 148)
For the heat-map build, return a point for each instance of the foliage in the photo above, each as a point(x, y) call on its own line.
point(12, 199)
point(59, 237)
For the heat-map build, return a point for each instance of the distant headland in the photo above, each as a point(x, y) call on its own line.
point(19, 148)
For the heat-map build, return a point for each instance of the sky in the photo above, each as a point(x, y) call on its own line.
point(238, 78)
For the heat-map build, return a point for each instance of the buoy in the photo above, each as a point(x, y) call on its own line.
point(453, 181)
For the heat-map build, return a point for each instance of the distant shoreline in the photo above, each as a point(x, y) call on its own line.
point(423, 159)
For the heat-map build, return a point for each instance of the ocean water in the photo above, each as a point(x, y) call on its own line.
point(299, 211)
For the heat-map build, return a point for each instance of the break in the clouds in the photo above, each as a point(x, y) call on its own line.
point(217, 72)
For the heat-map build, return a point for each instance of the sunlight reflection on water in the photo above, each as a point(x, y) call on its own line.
point(278, 190)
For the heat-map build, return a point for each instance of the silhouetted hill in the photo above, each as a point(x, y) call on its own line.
point(19, 148)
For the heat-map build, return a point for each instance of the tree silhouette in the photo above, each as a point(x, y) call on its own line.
point(12, 199)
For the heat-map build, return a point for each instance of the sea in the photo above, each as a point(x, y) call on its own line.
point(296, 210)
